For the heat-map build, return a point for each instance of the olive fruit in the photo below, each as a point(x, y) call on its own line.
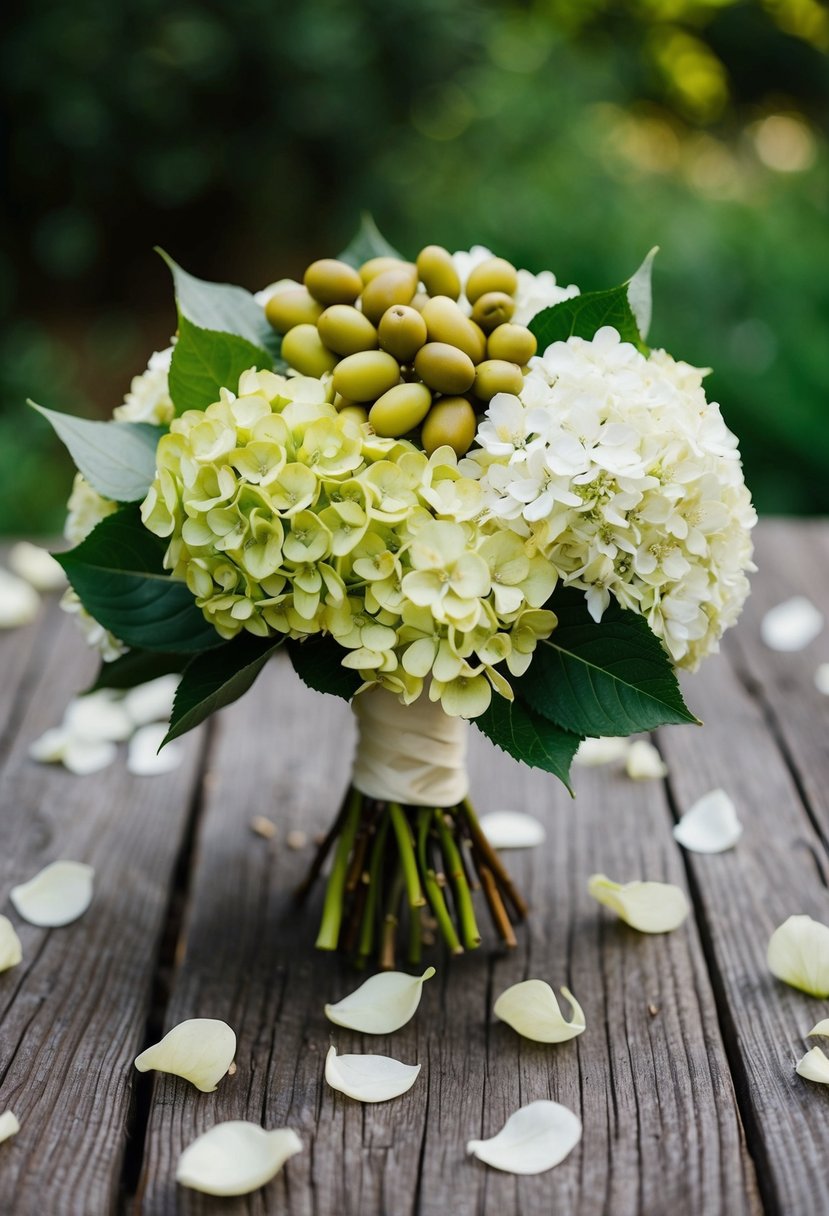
point(497, 376)
point(389, 288)
point(366, 375)
point(514, 343)
point(400, 410)
point(446, 323)
point(451, 421)
point(304, 350)
point(492, 309)
point(445, 368)
point(374, 266)
point(492, 275)
point(333, 282)
point(402, 332)
point(293, 306)
point(358, 413)
point(345, 330)
point(437, 272)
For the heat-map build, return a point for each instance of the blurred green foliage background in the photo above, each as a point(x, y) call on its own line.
point(246, 136)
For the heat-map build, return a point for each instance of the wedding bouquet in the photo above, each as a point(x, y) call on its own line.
point(449, 490)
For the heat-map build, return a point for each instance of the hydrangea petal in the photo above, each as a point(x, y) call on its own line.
point(710, 825)
point(821, 1028)
point(9, 1125)
point(512, 830)
point(382, 1004)
point(57, 895)
point(153, 701)
point(814, 1066)
point(11, 951)
point(534, 1139)
point(643, 762)
point(369, 1078)
point(650, 907)
point(19, 602)
point(143, 757)
point(798, 954)
point(531, 1008)
point(791, 625)
point(235, 1158)
point(36, 566)
point(200, 1050)
point(98, 716)
point(593, 752)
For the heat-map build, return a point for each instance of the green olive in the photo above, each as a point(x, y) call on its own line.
point(446, 323)
point(366, 376)
point(452, 421)
point(345, 330)
point(492, 309)
point(497, 376)
point(492, 275)
point(389, 288)
point(374, 266)
point(358, 413)
point(294, 306)
point(333, 282)
point(402, 332)
point(303, 349)
point(514, 343)
point(400, 410)
point(445, 368)
point(437, 272)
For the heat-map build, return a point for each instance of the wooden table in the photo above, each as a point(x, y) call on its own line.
point(684, 1079)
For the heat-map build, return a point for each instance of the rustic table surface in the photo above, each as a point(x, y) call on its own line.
point(684, 1079)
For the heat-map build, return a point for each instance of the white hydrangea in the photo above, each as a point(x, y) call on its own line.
point(534, 291)
point(84, 510)
point(148, 399)
point(629, 482)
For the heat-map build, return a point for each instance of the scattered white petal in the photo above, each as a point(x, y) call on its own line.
point(9, 1125)
point(534, 1139)
point(19, 602)
point(532, 1009)
point(792, 625)
point(262, 826)
point(59, 894)
point(201, 1050)
point(382, 1004)
point(710, 825)
point(369, 1078)
point(11, 952)
point(643, 762)
point(296, 839)
point(650, 907)
point(821, 1028)
point(36, 566)
point(98, 716)
point(235, 1158)
point(144, 759)
point(592, 752)
point(822, 679)
point(799, 955)
point(153, 701)
point(512, 830)
point(80, 756)
point(814, 1066)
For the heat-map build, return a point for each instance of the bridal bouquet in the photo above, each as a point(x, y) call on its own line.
point(449, 490)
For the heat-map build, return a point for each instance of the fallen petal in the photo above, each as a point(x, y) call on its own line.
point(11, 952)
point(85, 756)
point(98, 716)
point(710, 825)
point(532, 1009)
point(56, 896)
point(534, 1139)
point(822, 679)
point(650, 907)
point(200, 1050)
point(382, 1004)
point(19, 602)
point(153, 701)
point(821, 1028)
point(792, 625)
point(50, 746)
point(512, 830)
point(144, 759)
point(798, 954)
point(9, 1125)
point(36, 566)
point(235, 1158)
point(369, 1078)
point(592, 752)
point(644, 762)
point(814, 1066)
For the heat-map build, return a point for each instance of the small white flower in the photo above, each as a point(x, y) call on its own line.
point(792, 625)
point(534, 1139)
point(369, 1078)
point(56, 896)
point(200, 1050)
point(235, 1158)
point(149, 397)
point(644, 763)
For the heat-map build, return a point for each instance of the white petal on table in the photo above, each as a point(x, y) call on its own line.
point(532, 1009)
point(534, 1139)
point(644, 763)
point(144, 759)
point(382, 1004)
point(11, 951)
point(235, 1158)
point(821, 1028)
point(57, 895)
point(791, 625)
point(79, 756)
point(200, 1050)
point(9, 1125)
point(19, 602)
point(99, 716)
point(153, 701)
point(822, 678)
point(650, 907)
point(512, 830)
point(369, 1078)
point(814, 1066)
point(37, 566)
point(593, 752)
point(710, 825)
point(798, 954)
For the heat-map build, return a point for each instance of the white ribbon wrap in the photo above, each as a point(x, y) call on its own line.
point(412, 754)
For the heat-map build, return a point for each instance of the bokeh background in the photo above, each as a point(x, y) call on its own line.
point(246, 136)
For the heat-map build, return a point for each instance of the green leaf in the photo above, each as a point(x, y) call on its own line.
point(318, 661)
point(529, 737)
point(119, 576)
point(137, 667)
point(584, 315)
point(223, 308)
point(205, 361)
point(116, 458)
point(640, 295)
point(217, 678)
point(368, 243)
point(610, 678)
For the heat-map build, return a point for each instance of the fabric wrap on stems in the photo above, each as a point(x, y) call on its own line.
point(414, 754)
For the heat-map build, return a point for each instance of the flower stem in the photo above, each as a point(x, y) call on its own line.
point(496, 906)
point(438, 903)
point(457, 876)
point(493, 862)
point(374, 866)
point(405, 845)
point(332, 908)
point(323, 850)
point(391, 921)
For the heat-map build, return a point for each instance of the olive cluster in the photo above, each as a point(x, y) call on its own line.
point(403, 353)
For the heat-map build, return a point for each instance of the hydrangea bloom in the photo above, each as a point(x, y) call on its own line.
point(619, 471)
point(148, 399)
point(534, 292)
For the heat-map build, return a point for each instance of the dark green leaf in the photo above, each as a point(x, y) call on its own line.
point(120, 579)
point(116, 458)
point(217, 678)
point(137, 667)
point(318, 661)
point(205, 361)
point(529, 737)
point(583, 315)
point(368, 243)
point(611, 678)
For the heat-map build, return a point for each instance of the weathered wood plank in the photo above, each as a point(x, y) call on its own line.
point(662, 1131)
point(73, 1014)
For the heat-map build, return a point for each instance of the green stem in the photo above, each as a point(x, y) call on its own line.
point(368, 927)
point(405, 845)
point(460, 887)
point(391, 920)
point(415, 936)
point(332, 908)
point(438, 903)
point(493, 861)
